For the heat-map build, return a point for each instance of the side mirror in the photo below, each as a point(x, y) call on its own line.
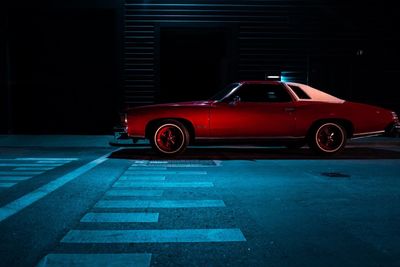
point(235, 100)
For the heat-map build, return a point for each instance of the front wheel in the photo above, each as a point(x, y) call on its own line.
point(170, 137)
point(327, 138)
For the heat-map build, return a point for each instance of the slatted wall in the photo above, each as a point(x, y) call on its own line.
point(273, 37)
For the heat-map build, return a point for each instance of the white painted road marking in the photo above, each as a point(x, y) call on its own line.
point(146, 178)
point(14, 178)
point(159, 203)
point(33, 168)
point(19, 173)
point(97, 217)
point(98, 260)
point(7, 184)
point(55, 159)
point(134, 193)
point(141, 168)
point(28, 199)
point(162, 184)
point(150, 172)
point(27, 165)
point(154, 236)
point(58, 162)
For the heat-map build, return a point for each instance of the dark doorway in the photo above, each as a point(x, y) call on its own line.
point(63, 71)
point(195, 62)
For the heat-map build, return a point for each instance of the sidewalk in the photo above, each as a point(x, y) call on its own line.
point(55, 140)
point(104, 141)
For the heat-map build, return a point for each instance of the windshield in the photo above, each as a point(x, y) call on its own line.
point(224, 92)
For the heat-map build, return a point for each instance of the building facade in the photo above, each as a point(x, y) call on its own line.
point(116, 54)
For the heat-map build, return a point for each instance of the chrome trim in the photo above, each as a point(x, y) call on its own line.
point(367, 134)
point(250, 138)
point(231, 92)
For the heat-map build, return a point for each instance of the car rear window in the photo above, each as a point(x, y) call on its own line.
point(299, 92)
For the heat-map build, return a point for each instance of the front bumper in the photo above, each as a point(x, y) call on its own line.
point(394, 130)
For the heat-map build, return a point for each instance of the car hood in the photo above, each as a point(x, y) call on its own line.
point(176, 104)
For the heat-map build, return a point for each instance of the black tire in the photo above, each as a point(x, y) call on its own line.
point(169, 137)
point(327, 138)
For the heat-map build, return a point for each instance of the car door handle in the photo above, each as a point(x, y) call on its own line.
point(290, 109)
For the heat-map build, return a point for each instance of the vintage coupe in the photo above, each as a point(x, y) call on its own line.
point(270, 112)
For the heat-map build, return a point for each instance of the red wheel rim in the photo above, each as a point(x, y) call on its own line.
point(330, 137)
point(169, 138)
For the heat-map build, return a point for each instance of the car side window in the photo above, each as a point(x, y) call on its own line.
point(263, 93)
point(299, 92)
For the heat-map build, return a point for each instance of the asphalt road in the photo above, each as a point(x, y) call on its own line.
point(108, 206)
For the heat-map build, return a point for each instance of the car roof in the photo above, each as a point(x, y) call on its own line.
point(261, 82)
point(314, 94)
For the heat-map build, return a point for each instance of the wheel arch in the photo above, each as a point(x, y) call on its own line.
point(347, 125)
point(151, 125)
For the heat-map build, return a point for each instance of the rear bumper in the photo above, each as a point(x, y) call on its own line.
point(120, 133)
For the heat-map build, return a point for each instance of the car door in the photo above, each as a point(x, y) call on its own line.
point(255, 110)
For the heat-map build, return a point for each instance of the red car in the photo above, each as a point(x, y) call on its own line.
point(259, 111)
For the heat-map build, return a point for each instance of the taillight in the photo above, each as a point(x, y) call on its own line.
point(124, 119)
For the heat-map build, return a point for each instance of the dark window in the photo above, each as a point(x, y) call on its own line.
point(299, 92)
point(263, 93)
point(221, 94)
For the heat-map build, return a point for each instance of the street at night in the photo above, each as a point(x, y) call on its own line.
point(76, 202)
point(208, 133)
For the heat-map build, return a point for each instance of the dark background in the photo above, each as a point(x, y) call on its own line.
point(72, 66)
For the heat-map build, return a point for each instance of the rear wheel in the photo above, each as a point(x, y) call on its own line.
point(170, 137)
point(327, 138)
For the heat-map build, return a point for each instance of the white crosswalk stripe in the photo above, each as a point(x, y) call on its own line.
point(6, 185)
point(159, 203)
point(134, 193)
point(135, 199)
point(97, 217)
point(14, 178)
point(146, 168)
point(146, 178)
point(13, 171)
point(28, 164)
point(157, 184)
point(53, 162)
point(151, 172)
point(53, 159)
point(33, 168)
point(18, 173)
point(154, 236)
point(98, 260)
